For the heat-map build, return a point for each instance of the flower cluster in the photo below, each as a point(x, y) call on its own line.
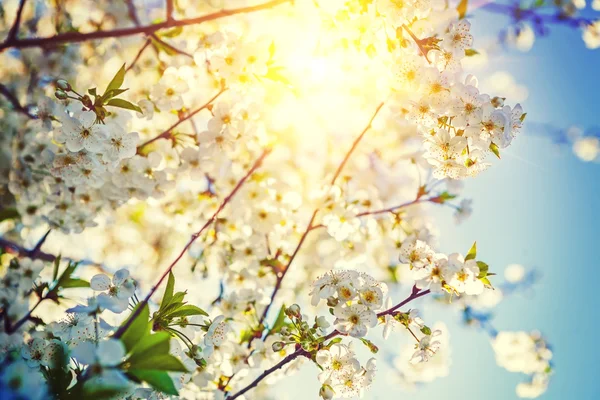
point(527, 353)
point(77, 166)
point(354, 297)
point(438, 272)
point(342, 374)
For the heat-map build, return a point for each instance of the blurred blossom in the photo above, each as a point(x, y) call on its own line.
point(514, 273)
point(586, 148)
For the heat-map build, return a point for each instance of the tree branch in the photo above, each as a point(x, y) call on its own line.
point(415, 294)
point(314, 214)
point(15, 102)
point(167, 133)
point(298, 353)
point(14, 30)
point(76, 37)
point(139, 54)
point(520, 14)
point(195, 236)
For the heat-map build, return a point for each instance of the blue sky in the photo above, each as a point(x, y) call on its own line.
point(536, 207)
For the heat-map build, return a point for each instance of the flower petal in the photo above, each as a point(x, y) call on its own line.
point(100, 282)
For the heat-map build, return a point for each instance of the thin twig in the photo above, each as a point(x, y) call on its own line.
point(165, 134)
point(40, 243)
point(169, 10)
point(520, 14)
point(14, 29)
point(415, 294)
point(193, 238)
point(76, 37)
point(314, 214)
point(286, 360)
point(354, 144)
point(15, 102)
point(139, 54)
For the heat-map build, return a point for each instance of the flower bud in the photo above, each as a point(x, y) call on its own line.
point(14, 263)
point(498, 102)
point(294, 311)
point(278, 346)
point(63, 85)
point(332, 301)
point(326, 392)
point(60, 95)
point(322, 323)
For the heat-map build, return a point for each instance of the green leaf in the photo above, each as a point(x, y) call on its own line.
point(123, 104)
point(157, 343)
point(92, 91)
point(370, 345)
point(75, 283)
point(280, 321)
point(462, 8)
point(483, 269)
point(186, 311)
point(472, 252)
point(116, 81)
point(163, 362)
point(159, 380)
point(471, 52)
point(8, 213)
point(274, 74)
point(110, 94)
point(56, 265)
point(494, 148)
point(162, 47)
point(168, 291)
point(64, 280)
point(138, 328)
point(486, 281)
point(171, 33)
point(522, 117)
point(426, 330)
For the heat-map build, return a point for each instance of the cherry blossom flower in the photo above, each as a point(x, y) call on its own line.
point(118, 292)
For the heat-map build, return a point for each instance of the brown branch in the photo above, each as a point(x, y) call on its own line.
point(166, 134)
point(193, 238)
point(139, 54)
point(521, 14)
point(76, 37)
point(21, 251)
point(415, 294)
point(15, 102)
point(298, 353)
point(169, 10)
point(309, 227)
point(14, 30)
point(354, 144)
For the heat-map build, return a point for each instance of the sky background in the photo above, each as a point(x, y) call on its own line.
point(537, 207)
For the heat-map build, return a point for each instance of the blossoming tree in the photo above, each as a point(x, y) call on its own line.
point(280, 156)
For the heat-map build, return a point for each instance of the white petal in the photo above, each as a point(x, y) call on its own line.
point(100, 282)
point(111, 352)
point(84, 353)
point(120, 277)
point(87, 118)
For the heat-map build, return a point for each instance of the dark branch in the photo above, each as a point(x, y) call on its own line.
point(195, 236)
point(76, 37)
point(14, 30)
point(15, 102)
point(167, 133)
point(286, 360)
